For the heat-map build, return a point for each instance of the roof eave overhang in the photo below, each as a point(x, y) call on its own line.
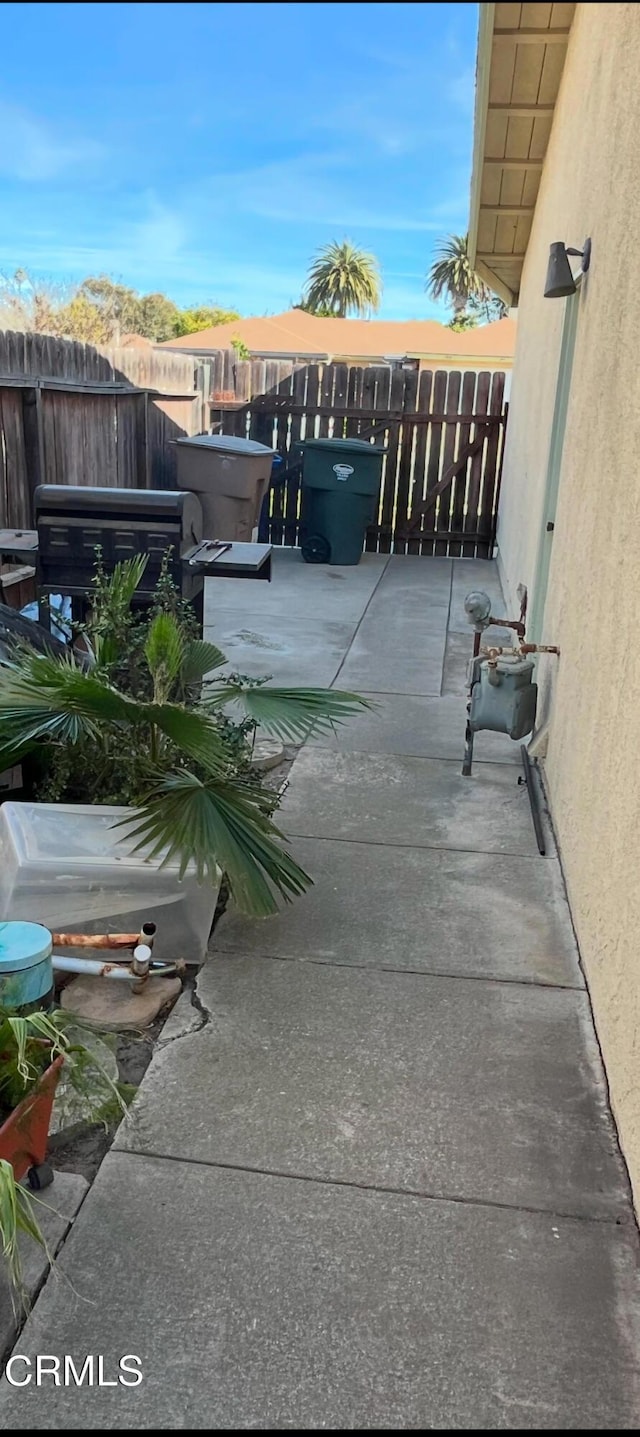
point(483, 70)
point(494, 55)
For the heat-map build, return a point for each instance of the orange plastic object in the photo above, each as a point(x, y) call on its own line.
point(25, 1134)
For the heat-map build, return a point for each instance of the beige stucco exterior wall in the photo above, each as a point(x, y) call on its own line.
point(591, 186)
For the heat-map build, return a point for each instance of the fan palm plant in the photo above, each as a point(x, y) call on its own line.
point(452, 275)
point(343, 280)
point(168, 736)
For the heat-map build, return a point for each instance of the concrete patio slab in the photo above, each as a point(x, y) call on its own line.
point(285, 647)
point(413, 587)
point(371, 1179)
point(469, 1090)
point(307, 590)
point(400, 643)
point(55, 1213)
point(385, 670)
point(418, 727)
point(416, 802)
point(420, 910)
point(302, 1305)
point(456, 664)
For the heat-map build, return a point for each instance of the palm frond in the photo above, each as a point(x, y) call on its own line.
point(52, 699)
point(344, 280)
point(213, 826)
point(112, 598)
point(192, 732)
point(121, 584)
point(164, 652)
point(452, 273)
point(293, 714)
point(199, 659)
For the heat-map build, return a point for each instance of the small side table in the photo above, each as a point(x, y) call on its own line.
point(239, 561)
point(19, 549)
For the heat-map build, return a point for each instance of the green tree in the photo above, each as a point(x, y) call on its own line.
point(453, 276)
point(190, 321)
point(99, 310)
point(343, 280)
point(321, 311)
point(487, 307)
point(82, 319)
point(157, 317)
point(118, 305)
point(463, 320)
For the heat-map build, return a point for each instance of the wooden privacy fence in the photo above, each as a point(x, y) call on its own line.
point(73, 414)
point(443, 432)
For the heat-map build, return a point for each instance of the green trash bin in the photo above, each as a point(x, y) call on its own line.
point(340, 488)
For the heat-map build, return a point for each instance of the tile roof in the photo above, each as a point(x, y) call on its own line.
point(300, 335)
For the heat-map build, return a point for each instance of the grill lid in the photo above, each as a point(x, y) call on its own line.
point(84, 499)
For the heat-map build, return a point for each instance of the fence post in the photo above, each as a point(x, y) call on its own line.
point(143, 457)
point(33, 435)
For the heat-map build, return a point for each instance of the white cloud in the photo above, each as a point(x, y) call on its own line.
point(309, 189)
point(30, 151)
point(144, 237)
point(387, 129)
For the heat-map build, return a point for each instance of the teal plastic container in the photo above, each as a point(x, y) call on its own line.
point(340, 489)
point(26, 971)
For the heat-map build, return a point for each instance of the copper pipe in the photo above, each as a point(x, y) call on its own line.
point(516, 624)
point(539, 649)
point(96, 940)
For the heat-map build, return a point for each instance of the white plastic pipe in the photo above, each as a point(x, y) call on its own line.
point(92, 967)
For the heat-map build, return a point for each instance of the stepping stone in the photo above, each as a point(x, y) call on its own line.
point(113, 1005)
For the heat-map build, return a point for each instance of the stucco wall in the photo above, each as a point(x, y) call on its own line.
point(591, 186)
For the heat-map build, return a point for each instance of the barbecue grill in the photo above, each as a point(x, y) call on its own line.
point(72, 521)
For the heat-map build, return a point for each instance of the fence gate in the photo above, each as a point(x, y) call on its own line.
point(443, 432)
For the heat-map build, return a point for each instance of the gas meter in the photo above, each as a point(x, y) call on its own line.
point(503, 695)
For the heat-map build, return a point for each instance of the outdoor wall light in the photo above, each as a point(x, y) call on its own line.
point(560, 280)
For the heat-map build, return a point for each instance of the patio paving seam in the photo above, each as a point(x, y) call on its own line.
point(626, 1221)
point(419, 757)
point(446, 632)
point(411, 972)
point(360, 623)
point(372, 753)
point(427, 847)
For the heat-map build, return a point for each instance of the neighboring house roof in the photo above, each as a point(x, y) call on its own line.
point(135, 341)
point(521, 55)
point(296, 334)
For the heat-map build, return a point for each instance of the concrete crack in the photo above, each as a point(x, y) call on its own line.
point(189, 1015)
point(197, 1003)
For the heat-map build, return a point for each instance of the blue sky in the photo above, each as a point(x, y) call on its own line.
point(208, 150)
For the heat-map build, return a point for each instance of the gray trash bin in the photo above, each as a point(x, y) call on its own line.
point(230, 477)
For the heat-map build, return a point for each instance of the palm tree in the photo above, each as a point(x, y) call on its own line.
point(343, 280)
point(451, 274)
